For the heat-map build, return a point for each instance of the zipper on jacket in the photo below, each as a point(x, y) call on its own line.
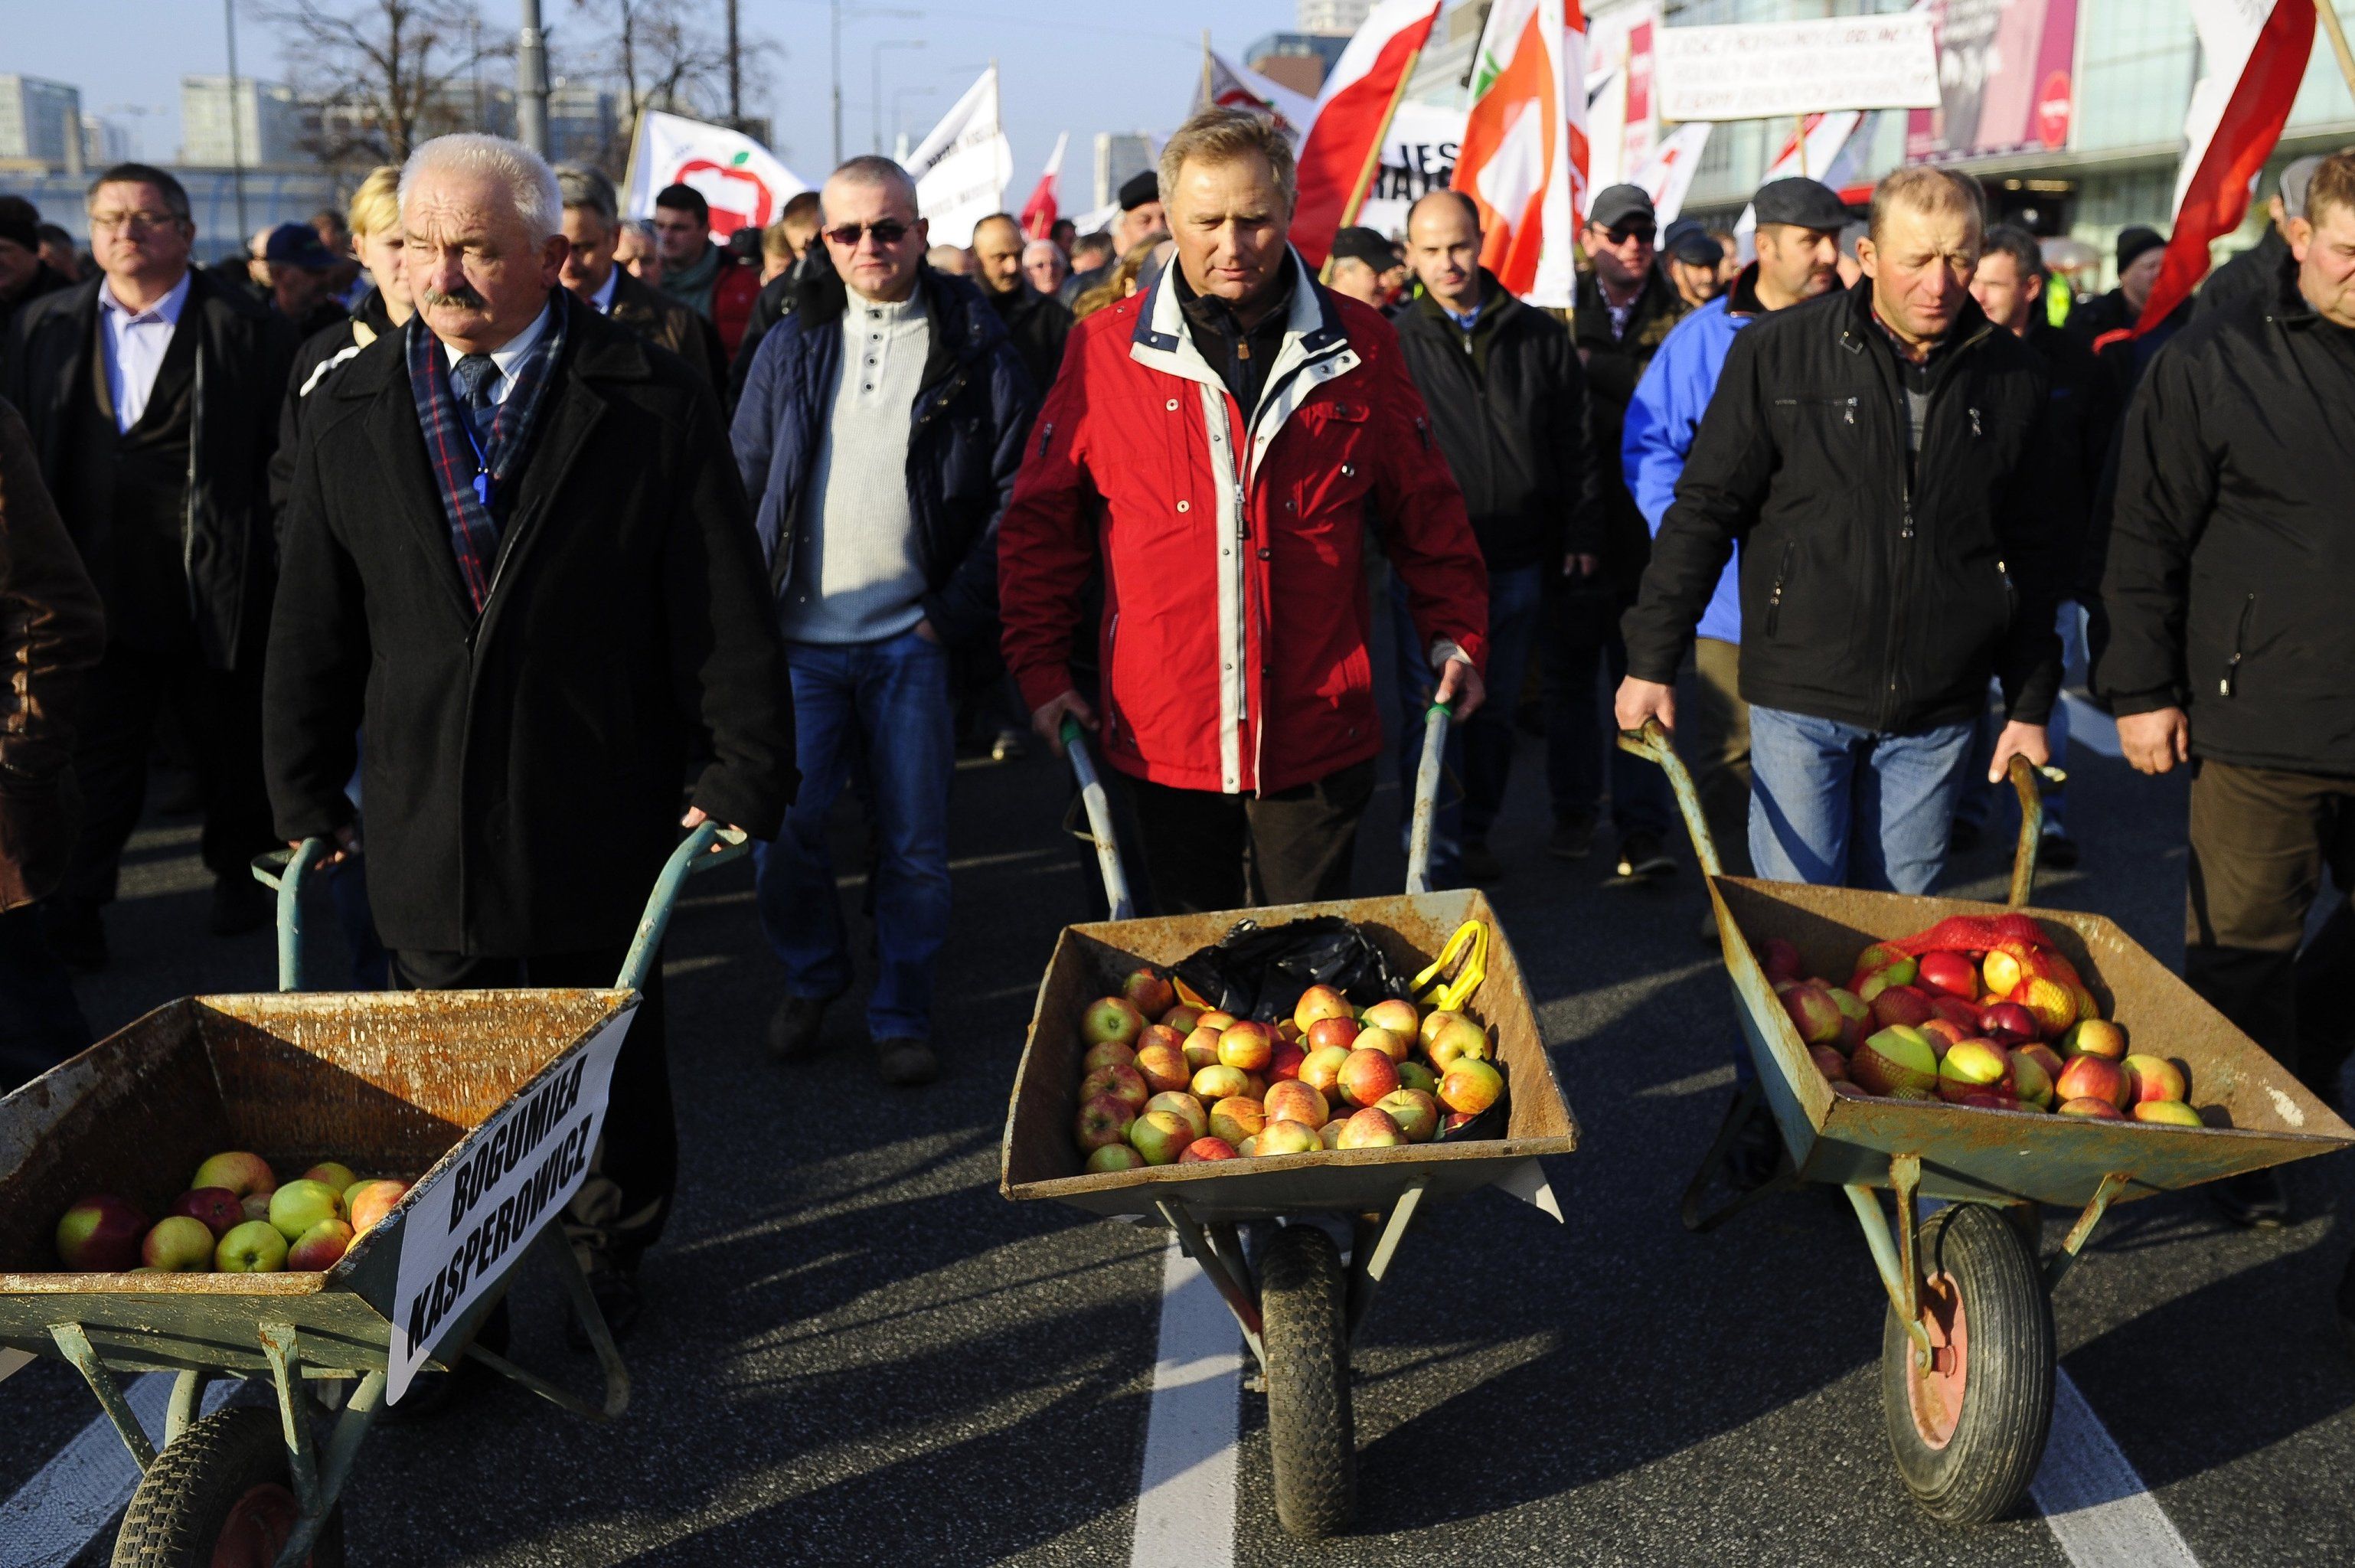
point(2240, 643)
point(1782, 575)
point(1046, 435)
point(1975, 424)
point(1846, 405)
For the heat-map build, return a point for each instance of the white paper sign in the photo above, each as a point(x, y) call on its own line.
point(962, 167)
point(471, 1217)
point(1756, 71)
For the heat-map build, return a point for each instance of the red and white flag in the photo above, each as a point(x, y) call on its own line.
point(1524, 157)
point(1351, 115)
point(1230, 86)
point(2256, 53)
point(1039, 213)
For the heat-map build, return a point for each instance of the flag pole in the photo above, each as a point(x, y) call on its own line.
point(630, 175)
point(2328, 14)
point(1374, 153)
point(1208, 99)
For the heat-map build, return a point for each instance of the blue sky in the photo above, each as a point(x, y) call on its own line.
point(1066, 65)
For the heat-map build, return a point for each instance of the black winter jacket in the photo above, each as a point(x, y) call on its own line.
point(2081, 422)
point(2231, 579)
point(1514, 432)
point(1614, 367)
point(1038, 326)
point(244, 351)
point(1874, 593)
point(321, 355)
point(2253, 277)
point(524, 765)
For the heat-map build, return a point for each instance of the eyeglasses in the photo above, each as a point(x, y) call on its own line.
point(890, 231)
point(1626, 232)
point(137, 222)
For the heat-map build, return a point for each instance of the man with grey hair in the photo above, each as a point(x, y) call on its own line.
point(880, 430)
point(1044, 266)
point(592, 229)
point(2256, 273)
point(516, 551)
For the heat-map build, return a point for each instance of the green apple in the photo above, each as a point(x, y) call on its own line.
point(179, 1245)
point(301, 1204)
point(241, 1173)
point(254, 1247)
point(342, 1178)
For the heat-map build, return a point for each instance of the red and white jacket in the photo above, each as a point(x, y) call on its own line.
point(1234, 641)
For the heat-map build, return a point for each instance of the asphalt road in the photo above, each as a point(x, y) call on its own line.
point(858, 1352)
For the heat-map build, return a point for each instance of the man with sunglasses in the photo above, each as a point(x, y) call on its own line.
point(1625, 305)
point(880, 432)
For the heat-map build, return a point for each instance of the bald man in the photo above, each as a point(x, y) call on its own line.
point(1036, 322)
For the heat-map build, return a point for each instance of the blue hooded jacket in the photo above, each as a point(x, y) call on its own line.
point(1666, 409)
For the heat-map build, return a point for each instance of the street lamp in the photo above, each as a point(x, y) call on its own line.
point(834, 31)
point(875, 99)
point(899, 119)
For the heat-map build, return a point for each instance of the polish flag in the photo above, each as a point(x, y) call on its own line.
point(1524, 155)
point(1038, 212)
point(1232, 86)
point(2255, 54)
point(1668, 174)
point(1352, 113)
point(1827, 136)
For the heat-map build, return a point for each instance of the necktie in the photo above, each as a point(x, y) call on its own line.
point(474, 377)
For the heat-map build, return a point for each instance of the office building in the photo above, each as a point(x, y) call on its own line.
point(40, 123)
point(267, 127)
point(1119, 158)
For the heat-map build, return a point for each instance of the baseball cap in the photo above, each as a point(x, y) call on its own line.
point(297, 245)
point(1800, 202)
point(1687, 241)
point(2295, 180)
point(1366, 245)
point(1619, 204)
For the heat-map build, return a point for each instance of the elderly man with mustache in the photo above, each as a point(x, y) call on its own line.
point(516, 551)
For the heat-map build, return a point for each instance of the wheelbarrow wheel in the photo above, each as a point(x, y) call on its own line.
point(1969, 1432)
point(220, 1497)
point(1311, 1438)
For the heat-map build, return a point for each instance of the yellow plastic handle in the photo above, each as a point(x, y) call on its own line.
point(1473, 936)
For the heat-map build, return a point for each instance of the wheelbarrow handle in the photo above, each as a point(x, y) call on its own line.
point(285, 871)
point(1426, 796)
point(1100, 828)
point(696, 854)
point(1652, 742)
point(2027, 781)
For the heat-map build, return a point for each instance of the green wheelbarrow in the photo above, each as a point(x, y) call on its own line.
point(492, 1100)
point(1967, 1350)
point(1298, 1304)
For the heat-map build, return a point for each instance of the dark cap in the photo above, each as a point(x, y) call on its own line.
point(2134, 240)
point(1138, 189)
point(1618, 204)
point(1801, 203)
point(297, 245)
point(1366, 245)
point(1687, 241)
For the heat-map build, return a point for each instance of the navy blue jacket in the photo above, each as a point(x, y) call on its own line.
point(971, 417)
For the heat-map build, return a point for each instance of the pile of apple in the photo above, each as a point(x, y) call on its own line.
point(1201, 1084)
point(1974, 1012)
point(235, 1218)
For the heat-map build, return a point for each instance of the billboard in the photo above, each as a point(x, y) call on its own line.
point(2006, 80)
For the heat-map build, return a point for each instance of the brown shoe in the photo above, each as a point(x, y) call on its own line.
point(905, 1063)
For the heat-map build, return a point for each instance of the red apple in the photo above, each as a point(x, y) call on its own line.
point(217, 1207)
point(1112, 1017)
point(180, 1244)
point(2030, 1080)
point(1236, 1118)
point(1160, 1136)
point(1470, 1085)
point(1285, 1137)
point(243, 1174)
point(1902, 1005)
point(1215, 1019)
point(331, 1173)
point(1284, 1065)
point(1320, 1002)
point(2094, 1037)
point(1202, 1047)
point(2152, 1078)
point(1371, 1129)
point(1813, 1013)
point(1331, 1031)
point(1185, 1107)
point(2087, 1105)
point(1449, 1037)
point(1113, 1158)
point(1297, 1102)
point(1108, 1053)
point(1209, 1149)
point(1149, 993)
point(1780, 959)
point(1944, 1035)
point(1829, 1062)
point(1396, 1014)
point(1389, 1042)
point(320, 1247)
point(1122, 1082)
point(2167, 1113)
point(1367, 1076)
point(1956, 1010)
point(2007, 1023)
point(2092, 1078)
point(1952, 974)
point(101, 1233)
point(1322, 1070)
point(1856, 1018)
point(1249, 1045)
point(1182, 1017)
point(2042, 1054)
point(1163, 1067)
point(372, 1201)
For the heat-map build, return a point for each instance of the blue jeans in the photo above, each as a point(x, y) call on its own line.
point(888, 703)
point(1978, 796)
point(1582, 650)
point(1839, 806)
point(1480, 750)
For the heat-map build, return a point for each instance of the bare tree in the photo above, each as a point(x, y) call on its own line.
point(666, 54)
point(382, 75)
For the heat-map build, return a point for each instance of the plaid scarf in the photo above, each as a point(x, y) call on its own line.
point(477, 512)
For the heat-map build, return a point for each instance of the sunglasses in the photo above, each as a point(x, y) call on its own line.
point(890, 231)
point(1625, 233)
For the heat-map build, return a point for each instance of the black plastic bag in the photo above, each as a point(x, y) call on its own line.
point(1259, 972)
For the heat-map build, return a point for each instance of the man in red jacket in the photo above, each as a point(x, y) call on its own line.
point(1217, 446)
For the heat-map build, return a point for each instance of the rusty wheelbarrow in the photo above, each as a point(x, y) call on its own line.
point(1299, 1304)
point(492, 1100)
point(1967, 1350)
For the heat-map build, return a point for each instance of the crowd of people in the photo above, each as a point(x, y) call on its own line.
point(531, 526)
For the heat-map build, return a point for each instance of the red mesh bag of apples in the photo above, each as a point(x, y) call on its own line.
point(1314, 1042)
point(1982, 1011)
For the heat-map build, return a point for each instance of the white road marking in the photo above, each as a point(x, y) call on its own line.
point(1186, 1502)
point(11, 1362)
point(2090, 727)
point(2100, 1510)
point(54, 1515)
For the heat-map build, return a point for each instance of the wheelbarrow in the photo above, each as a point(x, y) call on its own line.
point(1967, 1352)
point(1299, 1304)
point(496, 1097)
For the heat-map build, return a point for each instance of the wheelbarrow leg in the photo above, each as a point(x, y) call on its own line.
point(278, 1344)
point(75, 1346)
point(1226, 1274)
point(1376, 1243)
point(2060, 1263)
point(1700, 1222)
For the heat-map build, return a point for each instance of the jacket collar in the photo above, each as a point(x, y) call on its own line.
point(1857, 328)
point(963, 327)
point(1315, 342)
point(1742, 299)
point(1497, 305)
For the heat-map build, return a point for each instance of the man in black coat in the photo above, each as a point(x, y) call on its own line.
point(2141, 252)
point(152, 394)
point(517, 553)
point(1508, 402)
point(1036, 324)
point(2255, 275)
point(2229, 578)
point(1880, 456)
point(592, 229)
point(1625, 307)
point(25, 275)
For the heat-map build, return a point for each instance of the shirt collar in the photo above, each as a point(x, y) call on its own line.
point(885, 313)
point(166, 310)
point(508, 356)
point(601, 302)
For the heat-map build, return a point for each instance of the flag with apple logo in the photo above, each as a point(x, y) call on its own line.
point(742, 180)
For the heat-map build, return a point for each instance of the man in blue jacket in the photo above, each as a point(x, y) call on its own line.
point(879, 432)
point(1799, 223)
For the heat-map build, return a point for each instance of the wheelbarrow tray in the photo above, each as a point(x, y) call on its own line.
point(2257, 1112)
point(386, 1081)
point(1038, 1159)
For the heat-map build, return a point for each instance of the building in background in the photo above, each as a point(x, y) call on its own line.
point(104, 143)
point(1119, 158)
point(1296, 60)
point(1342, 16)
point(580, 127)
point(269, 123)
point(40, 123)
